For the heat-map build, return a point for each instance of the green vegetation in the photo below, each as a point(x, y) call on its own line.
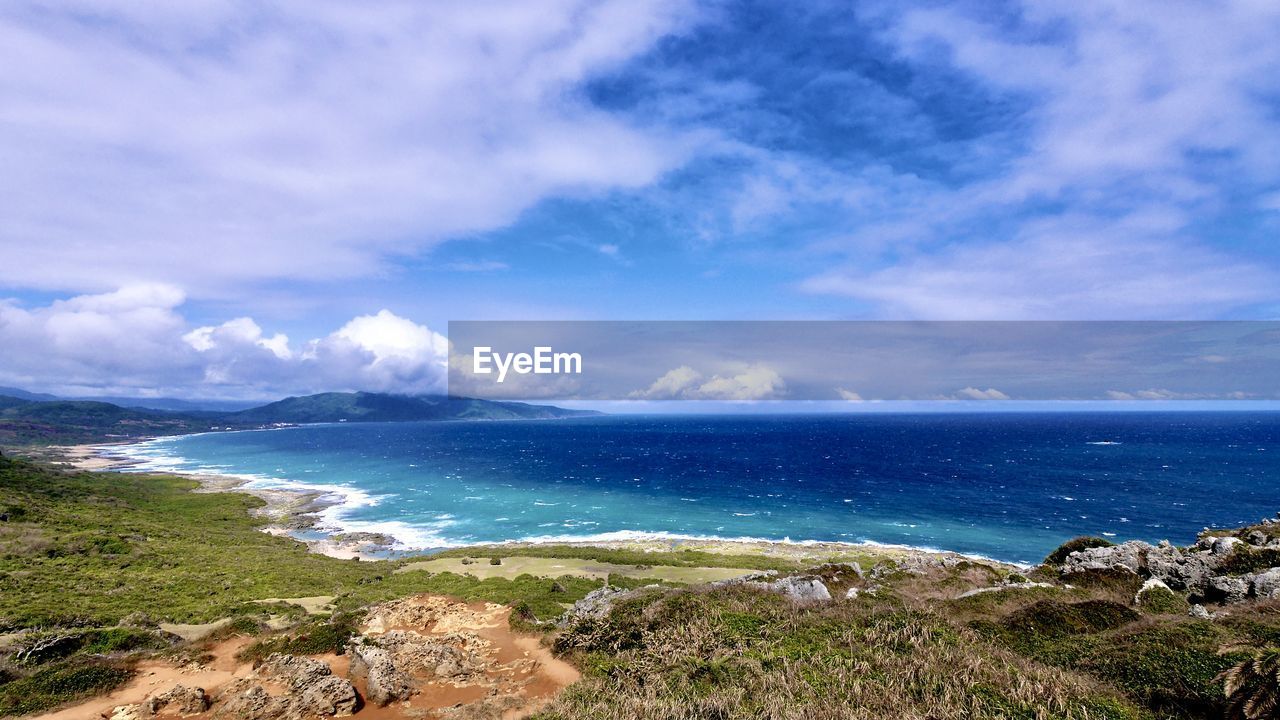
point(90, 563)
point(1075, 544)
point(734, 652)
point(616, 556)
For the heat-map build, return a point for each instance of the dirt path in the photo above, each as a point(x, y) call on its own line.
point(157, 677)
point(515, 677)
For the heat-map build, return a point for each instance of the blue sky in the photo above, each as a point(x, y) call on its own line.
point(216, 198)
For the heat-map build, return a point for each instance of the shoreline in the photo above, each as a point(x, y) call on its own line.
point(298, 513)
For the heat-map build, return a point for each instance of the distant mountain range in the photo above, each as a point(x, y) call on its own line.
point(161, 403)
point(31, 418)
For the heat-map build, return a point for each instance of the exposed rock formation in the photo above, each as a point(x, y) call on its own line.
point(311, 691)
point(1201, 572)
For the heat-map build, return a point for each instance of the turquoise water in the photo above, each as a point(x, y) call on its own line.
point(1010, 486)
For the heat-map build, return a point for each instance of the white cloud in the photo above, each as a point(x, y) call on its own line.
point(848, 395)
point(750, 382)
point(1073, 267)
point(1144, 124)
point(973, 393)
point(134, 341)
point(1165, 394)
point(214, 144)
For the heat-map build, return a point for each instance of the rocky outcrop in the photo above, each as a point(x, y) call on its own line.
point(178, 700)
point(597, 603)
point(802, 589)
point(1200, 572)
point(312, 691)
point(384, 682)
point(1266, 584)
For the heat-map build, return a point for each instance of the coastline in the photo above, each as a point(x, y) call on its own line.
point(298, 513)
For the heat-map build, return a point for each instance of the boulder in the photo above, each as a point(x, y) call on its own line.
point(312, 691)
point(296, 672)
point(179, 699)
point(384, 682)
point(1198, 612)
point(244, 699)
point(1267, 584)
point(1226, 589)
point(1126, 556)
point(802, 589)
point(327, 697)
point(1256, 537)
point(1226, 545)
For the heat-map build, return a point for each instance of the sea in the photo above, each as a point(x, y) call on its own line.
point(1010, 486)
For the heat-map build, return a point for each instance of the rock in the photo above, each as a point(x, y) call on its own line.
point(1149, 586)
point(1006, 586)
point(313, 692)
point(1226, 589)
point(1198, 612)
point(1267, 584)
point(1225, 545)
point(802, 589)
point(296, 672)
point(1127, 556)
point(327, 697)
point(1256, 537)
point(244, 699)
point(597, 604)
point(851, 593)
point(179, 699)
point(449, 668)
point(125, 712)
point(384, 682)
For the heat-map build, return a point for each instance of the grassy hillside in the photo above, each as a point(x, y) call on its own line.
point(27, 422)
point(90, 562)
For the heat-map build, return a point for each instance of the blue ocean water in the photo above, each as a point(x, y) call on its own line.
point(1011, 486)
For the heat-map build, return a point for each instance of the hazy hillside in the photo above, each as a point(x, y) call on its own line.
point(25, 422)
point(377, 407)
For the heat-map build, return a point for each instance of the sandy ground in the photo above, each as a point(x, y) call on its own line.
point(518, 665)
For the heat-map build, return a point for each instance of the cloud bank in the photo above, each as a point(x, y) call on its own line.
point(214, 144)
point(134, 341)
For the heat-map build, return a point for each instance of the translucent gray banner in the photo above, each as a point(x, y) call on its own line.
point(864, 361)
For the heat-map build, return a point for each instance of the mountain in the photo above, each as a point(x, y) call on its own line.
point(148, 403)
point(13, 392)
point(27, 422)
point(378, 407)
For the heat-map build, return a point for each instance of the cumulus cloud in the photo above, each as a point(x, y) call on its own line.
point(973, 393)
point(848, 395)
point(134, 341)
point(217, 143)
point(750, 382)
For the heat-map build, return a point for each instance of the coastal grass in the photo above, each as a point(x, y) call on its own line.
point(636, 557)
point(737, 652)
point(514, 566)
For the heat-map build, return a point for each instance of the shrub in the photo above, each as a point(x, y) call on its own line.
point(58, 684)
point(495, 560)
point(1162, 601)
point(1057, 557)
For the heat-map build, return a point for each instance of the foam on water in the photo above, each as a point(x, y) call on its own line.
point(992, 487)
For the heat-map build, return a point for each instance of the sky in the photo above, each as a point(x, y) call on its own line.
point(226, 199)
